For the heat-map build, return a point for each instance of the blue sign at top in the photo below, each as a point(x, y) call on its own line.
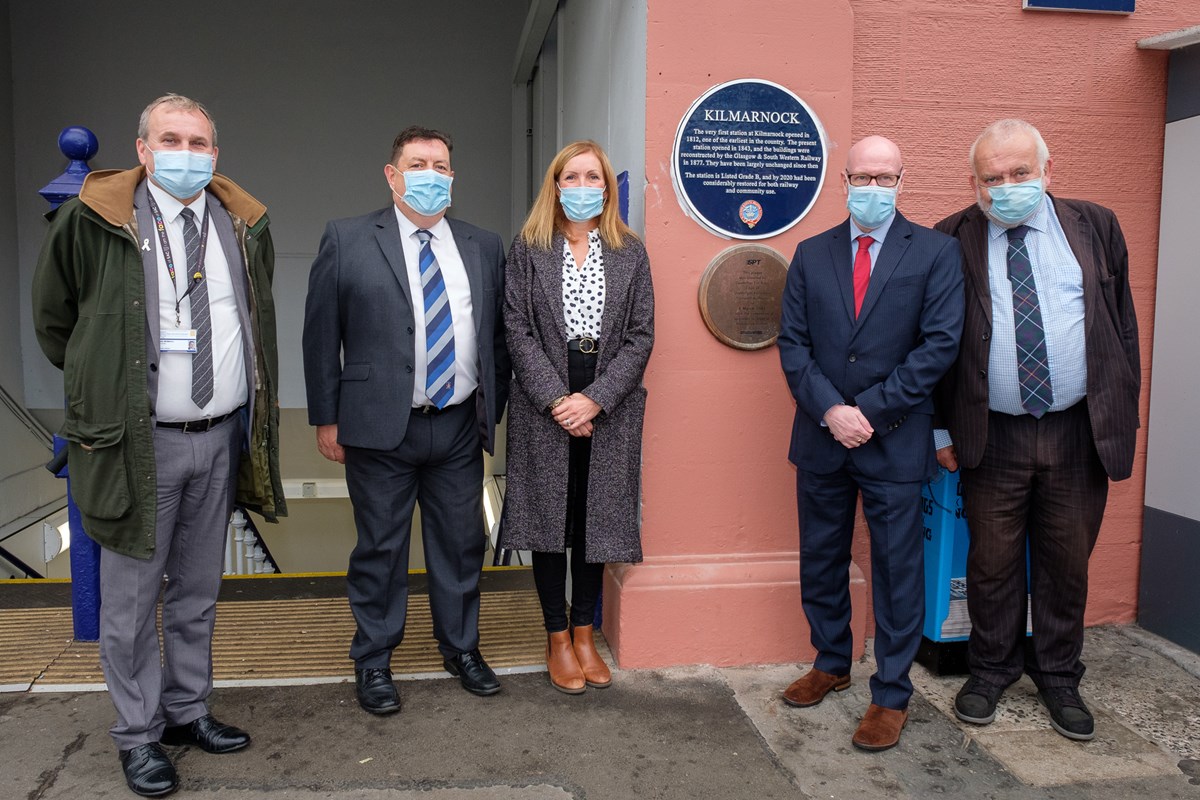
point(749, 159)
point(1092, 6)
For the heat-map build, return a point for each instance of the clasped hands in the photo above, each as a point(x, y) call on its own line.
point(848, 426)
point(575, 413)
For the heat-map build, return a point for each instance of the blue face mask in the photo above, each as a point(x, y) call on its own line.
point(426, 191)
point(182, 173)
point(1014, 203)
point(870, 206)
point(581, 203)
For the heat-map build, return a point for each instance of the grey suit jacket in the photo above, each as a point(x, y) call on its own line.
point(1114, 372)
point(359, 323)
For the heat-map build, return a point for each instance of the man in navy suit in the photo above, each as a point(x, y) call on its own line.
point(407, 375)
point(872, 314)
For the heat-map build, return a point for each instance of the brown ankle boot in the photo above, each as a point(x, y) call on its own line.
point(595, 671)
point(565, 674)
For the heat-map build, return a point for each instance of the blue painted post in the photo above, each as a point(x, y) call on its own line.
point(78, 144)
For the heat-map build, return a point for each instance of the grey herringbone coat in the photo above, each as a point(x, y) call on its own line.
point(535, 503)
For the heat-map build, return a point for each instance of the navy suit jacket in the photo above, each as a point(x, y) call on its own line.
point(359, 345)
point(887, 361)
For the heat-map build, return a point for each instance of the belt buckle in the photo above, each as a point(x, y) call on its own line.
point(587, 345)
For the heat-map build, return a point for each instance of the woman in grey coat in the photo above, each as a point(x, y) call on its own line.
point(579, 312)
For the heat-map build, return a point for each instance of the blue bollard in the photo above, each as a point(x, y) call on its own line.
point(85, 566)
point(78, 144)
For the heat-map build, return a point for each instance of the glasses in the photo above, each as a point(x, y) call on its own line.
point(862, 179)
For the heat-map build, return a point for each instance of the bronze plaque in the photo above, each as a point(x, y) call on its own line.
point(741, 296)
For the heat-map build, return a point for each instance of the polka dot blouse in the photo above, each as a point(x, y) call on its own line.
point(583, 290)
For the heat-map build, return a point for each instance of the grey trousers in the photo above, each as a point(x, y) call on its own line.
point(151, 688)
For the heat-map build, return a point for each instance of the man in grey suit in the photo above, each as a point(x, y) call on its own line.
point(407, 375)
point(153, 294)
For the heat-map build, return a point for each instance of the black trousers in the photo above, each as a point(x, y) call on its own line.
point(1040, 481)
point(550, 569)
point(440, 465)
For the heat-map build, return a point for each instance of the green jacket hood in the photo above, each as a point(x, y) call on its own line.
point(109, 192)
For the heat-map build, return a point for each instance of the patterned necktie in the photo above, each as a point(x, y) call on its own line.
point(439, 327)
point(202, 362)
point(862, 272)
point(1033, 367)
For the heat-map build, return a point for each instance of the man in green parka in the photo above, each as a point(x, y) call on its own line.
point(153, 295)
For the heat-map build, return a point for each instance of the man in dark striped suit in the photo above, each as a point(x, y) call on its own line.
point(1042, 410)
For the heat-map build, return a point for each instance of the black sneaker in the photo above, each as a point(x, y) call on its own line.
point(976, 701)
point(1068, 715)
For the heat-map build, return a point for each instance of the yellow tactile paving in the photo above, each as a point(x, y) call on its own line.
point(30, 639)
point(272, 639)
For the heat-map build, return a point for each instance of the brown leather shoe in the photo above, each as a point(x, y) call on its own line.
point(595, 671)
point(880, 728)
point(565, 673)
point(812, 687)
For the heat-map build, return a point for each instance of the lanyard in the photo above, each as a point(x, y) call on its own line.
point(166, 249)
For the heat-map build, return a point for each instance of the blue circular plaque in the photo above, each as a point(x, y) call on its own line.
point(749, 159)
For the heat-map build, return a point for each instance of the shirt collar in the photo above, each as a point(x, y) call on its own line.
point(878, 234)
point(170, 206)
point(439, 229)
point(1040, 221)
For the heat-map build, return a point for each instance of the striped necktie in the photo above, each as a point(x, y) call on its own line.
point(439, 327)
point(1033, 366)
point(202, 362)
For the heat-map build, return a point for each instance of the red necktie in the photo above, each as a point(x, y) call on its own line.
point(862, 272)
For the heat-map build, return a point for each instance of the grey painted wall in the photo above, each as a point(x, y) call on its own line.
point(1173, 448)
point(1168, 603)
point(307, 96)
point(1183, 84)
point(602, 69)
point(11, 377)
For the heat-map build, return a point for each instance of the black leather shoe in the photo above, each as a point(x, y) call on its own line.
point(148, 770)
point(476, 676)
point(1068, 714)
point(207, 733)
point(376, 692)
point(976, 701)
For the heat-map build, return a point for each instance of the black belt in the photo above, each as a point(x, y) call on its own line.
point(584, 344)
point(199, 425)
point(432, 411)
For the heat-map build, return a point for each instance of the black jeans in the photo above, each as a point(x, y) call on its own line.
point(550, 569)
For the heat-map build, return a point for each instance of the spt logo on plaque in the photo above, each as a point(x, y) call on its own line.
point(749, 159)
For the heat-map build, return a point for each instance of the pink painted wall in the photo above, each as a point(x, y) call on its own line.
point(720, 580)
point(932, 74)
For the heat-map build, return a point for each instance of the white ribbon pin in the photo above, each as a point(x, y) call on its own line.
point(146, 245)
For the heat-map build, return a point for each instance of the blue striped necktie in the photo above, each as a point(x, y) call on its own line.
point(439, 327)
point(1033, 365)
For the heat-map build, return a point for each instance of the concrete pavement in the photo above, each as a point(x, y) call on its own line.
point(679, 733)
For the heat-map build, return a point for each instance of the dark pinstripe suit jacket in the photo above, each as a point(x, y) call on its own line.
point(1113, 364)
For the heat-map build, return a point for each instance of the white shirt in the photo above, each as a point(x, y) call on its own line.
point(229, 362)
point(583, 290)
point(458, 291)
